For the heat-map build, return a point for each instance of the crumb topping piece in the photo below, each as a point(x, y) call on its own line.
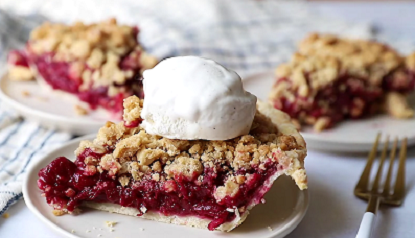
point(80, 110)
point(110, 223)
point(132, 109)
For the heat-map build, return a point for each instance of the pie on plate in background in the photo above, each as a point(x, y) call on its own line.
point(342, 92)
point(331, 79)
point(98, 64)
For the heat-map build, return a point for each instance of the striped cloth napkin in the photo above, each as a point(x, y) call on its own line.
point(247, 36)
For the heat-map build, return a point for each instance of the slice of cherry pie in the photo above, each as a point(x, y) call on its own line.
point(197, 183)
point(100, 64)
point(331, 79)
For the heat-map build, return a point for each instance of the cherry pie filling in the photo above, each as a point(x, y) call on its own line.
point(59, 76)
point(347, 97)
point(66, 184)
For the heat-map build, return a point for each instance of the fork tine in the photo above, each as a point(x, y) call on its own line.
point(363, 183)
point(386, 189)
point(375, 186)
point(399, 191)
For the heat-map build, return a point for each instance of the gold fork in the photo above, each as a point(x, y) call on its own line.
point(373, 194)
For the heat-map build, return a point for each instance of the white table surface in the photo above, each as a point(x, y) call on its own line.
point(334, 211)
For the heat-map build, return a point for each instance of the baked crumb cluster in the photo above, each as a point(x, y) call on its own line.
point(95, 52)
point(131, 155)
point(322, 61)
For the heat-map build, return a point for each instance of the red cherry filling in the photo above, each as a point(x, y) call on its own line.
point(59, 76)
point(67, 184)
point(347, 97)
point(17, 58)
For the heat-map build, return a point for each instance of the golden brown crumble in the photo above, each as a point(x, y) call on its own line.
point(89, 144)
point(94, 52)
point(324, 57)
point(124, 180)
point(79, 40)
point(131, 153)
point(367, 59)
point(229, 189)
point(184, 166)
point(26, 93)
point(57, 212)
point(132, 109)
point(80, 110)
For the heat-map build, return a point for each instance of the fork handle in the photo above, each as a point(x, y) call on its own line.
point(366, 227)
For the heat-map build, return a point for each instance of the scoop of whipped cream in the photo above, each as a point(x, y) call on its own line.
point(192, 98)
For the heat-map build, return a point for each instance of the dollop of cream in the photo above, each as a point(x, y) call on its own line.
point(192, 98)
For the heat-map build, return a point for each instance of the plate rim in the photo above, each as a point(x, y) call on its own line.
point(26, 182)
point(22, 107)
point(289, 227)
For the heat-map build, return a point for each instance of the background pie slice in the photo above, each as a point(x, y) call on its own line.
point(100, 64)
point(331, 79)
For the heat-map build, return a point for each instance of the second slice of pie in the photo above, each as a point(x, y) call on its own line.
point(331, 79)
point(98, 64)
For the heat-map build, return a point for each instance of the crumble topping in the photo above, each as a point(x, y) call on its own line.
point(131, 154)
point(229, 189)
point(184, 166)
point(132, 109)
point(322, 58)
point(80, 110)
point(89, 144)
point(79, 40)
point(362, 58)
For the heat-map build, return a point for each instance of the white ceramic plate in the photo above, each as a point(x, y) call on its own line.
point(49, 109)
point(350, 136)
point(284, 210)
